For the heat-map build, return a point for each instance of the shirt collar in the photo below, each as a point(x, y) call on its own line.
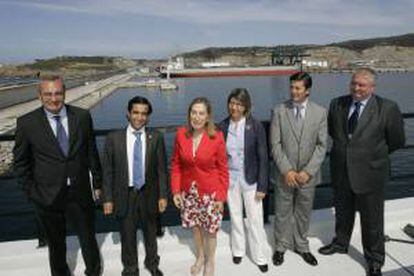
point(132, 130)
point(240, 124)
point(62, 113)
point(303, 105)
point(363, 103)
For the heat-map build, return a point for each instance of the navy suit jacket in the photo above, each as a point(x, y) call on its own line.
point(256, 161)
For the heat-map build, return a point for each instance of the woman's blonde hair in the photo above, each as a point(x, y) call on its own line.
point(210, 127)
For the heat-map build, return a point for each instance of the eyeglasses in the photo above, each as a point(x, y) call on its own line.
point(50, 94)
point(234, 103)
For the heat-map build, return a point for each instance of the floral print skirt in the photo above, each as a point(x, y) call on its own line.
point(200, 211)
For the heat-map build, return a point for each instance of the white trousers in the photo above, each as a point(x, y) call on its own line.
point(255, 228)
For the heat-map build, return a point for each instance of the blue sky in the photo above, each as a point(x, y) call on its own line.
point(152, 28)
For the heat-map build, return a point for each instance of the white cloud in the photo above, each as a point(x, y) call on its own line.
point(356, 13)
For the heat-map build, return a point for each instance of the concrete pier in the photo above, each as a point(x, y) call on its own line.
point(84, 97)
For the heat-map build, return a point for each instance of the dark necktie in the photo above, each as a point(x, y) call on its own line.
point(61, 136)
point(353, 120)
point(137, 177)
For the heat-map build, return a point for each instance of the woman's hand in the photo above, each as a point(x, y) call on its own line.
point(219, 205)
point(260, 195)
point(178, 201)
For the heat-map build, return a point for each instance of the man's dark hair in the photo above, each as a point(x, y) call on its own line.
point(139, 100)
point(302, 76)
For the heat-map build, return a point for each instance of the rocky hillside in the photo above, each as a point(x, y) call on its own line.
point(395, 52)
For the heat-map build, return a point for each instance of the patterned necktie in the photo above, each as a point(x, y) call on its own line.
point(137, 177)
point(61, 136)
point(353, 120)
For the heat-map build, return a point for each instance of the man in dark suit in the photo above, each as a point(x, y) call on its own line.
point(135, 184)
point(54, 154)
point(365, 129)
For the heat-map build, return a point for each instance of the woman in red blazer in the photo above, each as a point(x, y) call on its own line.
point(199, 180)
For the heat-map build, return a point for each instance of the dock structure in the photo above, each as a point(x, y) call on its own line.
point(83, 96)
point(176, 248)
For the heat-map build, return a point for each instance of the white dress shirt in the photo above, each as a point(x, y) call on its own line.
point(235, 150)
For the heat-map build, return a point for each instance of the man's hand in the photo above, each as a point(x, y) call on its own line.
point(98, 194)
point(162, 205)
point(219, 205)
point(259, 195)
point(178, 201)
point(108, 208)
point(290, 178)
point(303, 177)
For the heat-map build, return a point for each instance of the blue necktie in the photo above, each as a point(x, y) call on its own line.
point(137, 177)
point(61, 136)
point(353, 120)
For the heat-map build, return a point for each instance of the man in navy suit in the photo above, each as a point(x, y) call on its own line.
point(54, 154)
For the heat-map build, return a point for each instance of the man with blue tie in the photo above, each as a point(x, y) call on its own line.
point(135, 184)
point(365, 130)
point(54, 154)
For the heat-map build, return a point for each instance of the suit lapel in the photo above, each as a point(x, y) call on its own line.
point(122, 149)
point(344, 115)
point(307, 120)
point(289, 114)
point(149, 137)
point(366, 115)
point(248, 133)
point(48, 131)
point(73, 128)
point(226, 127)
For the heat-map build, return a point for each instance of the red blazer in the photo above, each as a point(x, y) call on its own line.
point(208, 168)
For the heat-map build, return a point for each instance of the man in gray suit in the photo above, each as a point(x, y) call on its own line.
point(299, 139)
point(365, 129)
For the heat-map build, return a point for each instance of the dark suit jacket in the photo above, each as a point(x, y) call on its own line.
point(115, 171)
point(364, 157)
point(40, 165)
point(256, 161)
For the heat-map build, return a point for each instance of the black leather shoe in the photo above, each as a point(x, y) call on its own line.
point(263, 268)
point(374, 271)
point(42, 243)
point(409, 230)
point(308, 257)
point(278, 258)
point(160, 232)
point(237, 260)
point(156, 272)
point(332, 249)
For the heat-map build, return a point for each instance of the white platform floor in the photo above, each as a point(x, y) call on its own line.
point(21, 258)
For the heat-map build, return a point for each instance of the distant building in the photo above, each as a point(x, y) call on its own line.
point(315, 63)
point(178, 64)
point(215, 64)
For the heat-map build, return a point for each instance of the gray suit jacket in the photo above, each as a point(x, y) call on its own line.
point(365, 157)
point(297, 150)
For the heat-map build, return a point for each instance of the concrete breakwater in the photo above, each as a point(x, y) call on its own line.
point(85, 97)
